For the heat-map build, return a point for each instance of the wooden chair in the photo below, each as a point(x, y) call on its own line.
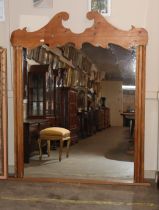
point(54, 134)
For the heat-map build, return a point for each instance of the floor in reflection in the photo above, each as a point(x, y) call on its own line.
point(103, 156)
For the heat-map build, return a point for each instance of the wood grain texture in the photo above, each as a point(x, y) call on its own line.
point(140, 115)
point(18, 112)
point(101, 33)
point(80, 181)
point(4, 113)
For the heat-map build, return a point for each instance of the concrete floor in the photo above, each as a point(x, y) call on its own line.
point(18, 195)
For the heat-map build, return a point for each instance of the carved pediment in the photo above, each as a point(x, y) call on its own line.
point(100, 34)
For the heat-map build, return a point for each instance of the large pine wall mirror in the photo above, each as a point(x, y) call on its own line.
point(92, 84)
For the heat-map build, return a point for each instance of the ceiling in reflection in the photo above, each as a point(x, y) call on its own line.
point(116, 62)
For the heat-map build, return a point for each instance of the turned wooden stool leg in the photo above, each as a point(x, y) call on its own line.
point(40, 150)
point(60, 149)
point(48, 148)
point(68, 146)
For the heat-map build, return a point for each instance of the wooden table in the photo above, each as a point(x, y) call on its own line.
point(130, 116)
point(32, 128)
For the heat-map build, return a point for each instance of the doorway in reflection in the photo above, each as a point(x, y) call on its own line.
point(90, 92)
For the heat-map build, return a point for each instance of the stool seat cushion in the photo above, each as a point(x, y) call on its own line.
point(55, 131)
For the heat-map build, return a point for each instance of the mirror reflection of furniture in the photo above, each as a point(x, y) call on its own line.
point(101, 33)
point(39, 92)
point(58, 93)
point(48, 100)
point(32, 127)
point(55, 73)
point(40, 109)
point(129, 119)
point(54, 134)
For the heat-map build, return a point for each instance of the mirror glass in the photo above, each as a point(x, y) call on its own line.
point(89, 91)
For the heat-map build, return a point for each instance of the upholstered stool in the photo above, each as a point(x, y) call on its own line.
point(53, 134)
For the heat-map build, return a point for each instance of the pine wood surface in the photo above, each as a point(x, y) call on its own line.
point(100, 34)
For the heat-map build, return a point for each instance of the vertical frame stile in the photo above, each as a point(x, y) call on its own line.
point(140, 116)
point(143, 60)
point(15, 109)
point(18, 111)
point(137, 117)
point(4, 114)
point(136, 157)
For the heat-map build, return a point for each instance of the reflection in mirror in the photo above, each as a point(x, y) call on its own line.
point(118, 72)
point(90, 92)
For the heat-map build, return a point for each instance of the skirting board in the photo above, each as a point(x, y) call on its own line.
point(157, 179)
point(11, 169)
point(149, 174)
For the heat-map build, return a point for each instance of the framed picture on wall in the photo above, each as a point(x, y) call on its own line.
point(43, 3)
point(102, 6)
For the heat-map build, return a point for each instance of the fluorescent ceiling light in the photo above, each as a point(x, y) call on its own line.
point(128, 87)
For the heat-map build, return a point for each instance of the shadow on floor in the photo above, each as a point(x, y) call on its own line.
point(120, 153)
point(124, 148)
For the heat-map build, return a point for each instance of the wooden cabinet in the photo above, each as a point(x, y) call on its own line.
point(107, 117)
point(40, 92)
point(66, 110)
point(40, 106)
point(103, 118)
point(31, 133)
point(88, 123)
point(100, 119)
point(48, 99)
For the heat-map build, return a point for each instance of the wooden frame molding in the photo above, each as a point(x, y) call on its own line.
point(4, 111)
point(100, 34)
